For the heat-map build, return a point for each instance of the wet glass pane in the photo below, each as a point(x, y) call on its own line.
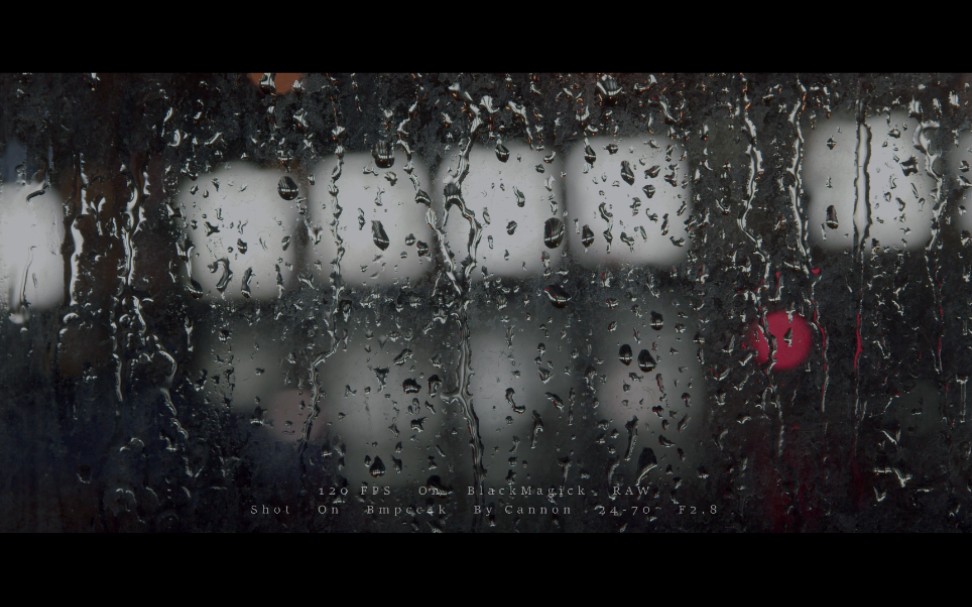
point(471, 302)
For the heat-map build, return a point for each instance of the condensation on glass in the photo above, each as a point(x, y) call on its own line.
point(461, 302)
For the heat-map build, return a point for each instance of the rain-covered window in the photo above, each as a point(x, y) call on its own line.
point(454, 302)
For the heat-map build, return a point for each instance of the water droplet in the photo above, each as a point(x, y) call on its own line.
point(511, 228)
point(647, 460)
point(555, 400)
point(612, 148)
point(645, 361)
point(587, 236)
point(411, 386)
point(557, 295)
point(832, 218)
point(382, 153)
point(452, 193)
point(553, 232)
point(379, 235)
point(502, 153)
point(909, 166)
point(520, 198)
point(227, 273)
point(509, 398)
point(345, 309)
point(625, 354)
point(377, 468)
point(247, 276)
point(589, 154)
point(657, 321)
point(626, 173)
point(609, 88)
point(653, 172)
point(422, 197)
point(649, 190)
point(287, 188)
point(434, 384)
point(831, 143)
point(403, 356)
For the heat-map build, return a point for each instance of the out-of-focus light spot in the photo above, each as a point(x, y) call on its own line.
point(378, 214)
point(792, 336)
point(515, 194)
point(241, 221)
point(897, 213)
point(628, 200)
point(31, 233)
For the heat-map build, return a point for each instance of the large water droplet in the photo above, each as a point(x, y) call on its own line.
point(625, 354)
point(587, 236)
point(557, 295)
point(589, 154)
point(287, 188)
point(434, 384)
point(909, 166)
point(520, 198)
point(502, 153)
point(377, 468)
point(382, 153)
point(832, 218)
point(452, 193)
point(645, 361)
point(509, 398)
point(227, 273)
point(555, 400)
point(626, 173)
point(553, 232)
point(379, 235)
point(647, 460)
point(609, 88)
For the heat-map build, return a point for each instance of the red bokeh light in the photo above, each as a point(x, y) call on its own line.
point(793, 340)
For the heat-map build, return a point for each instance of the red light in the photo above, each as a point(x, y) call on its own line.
point(793, 340)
